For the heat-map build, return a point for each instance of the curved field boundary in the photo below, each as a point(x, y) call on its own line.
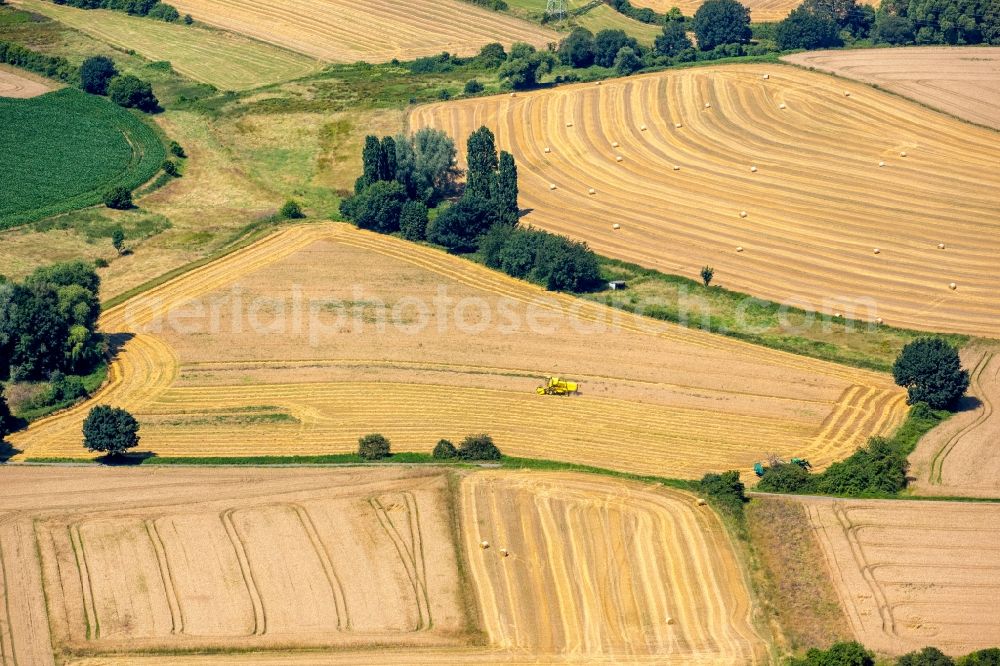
point(816, 207)
point(627, 570)
point(960, 457)
point(224, 60)
point(904, 574)
point(961, 81)
point(64, 149)
point(328, 416)
point(343, 31)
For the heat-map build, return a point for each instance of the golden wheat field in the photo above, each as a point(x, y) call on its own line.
point(623, 572)
point(292, 560)
point(798, 187)
point(911, 574)
point(962, 81)
point(342, 31)
point(410, 342)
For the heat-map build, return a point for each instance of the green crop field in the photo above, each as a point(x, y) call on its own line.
point(62, 150)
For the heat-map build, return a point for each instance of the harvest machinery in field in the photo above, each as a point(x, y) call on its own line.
point(557, 386)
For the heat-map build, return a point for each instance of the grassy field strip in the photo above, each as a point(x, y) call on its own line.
point(225, 60)
point(341, 31)
point(601, 17)
point(817, 207)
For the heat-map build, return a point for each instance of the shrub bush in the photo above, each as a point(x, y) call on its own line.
point(176, 150)
point(726, 491)
point(473, 87)
point(133, 93)
point(291, 210)
point(444, 450)
point(96, 73)
point(373, 447)
point(170, 168)
point(478, 447)
point(839, 654)
point(118, 198)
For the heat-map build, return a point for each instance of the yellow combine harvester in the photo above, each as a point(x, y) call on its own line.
point(556, 386)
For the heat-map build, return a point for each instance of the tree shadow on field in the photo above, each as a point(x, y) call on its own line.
point(7, 452)
point(115, 343)
point(127, 460)
point(967, 403)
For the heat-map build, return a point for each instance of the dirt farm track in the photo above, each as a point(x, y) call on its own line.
point(249, 380)
point(911, 574)
point(798, 187)
point(258, 560)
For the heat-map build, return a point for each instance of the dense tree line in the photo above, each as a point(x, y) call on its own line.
point(48, 323)
point(855, 654)
point(825, 23)
point(53, 67)
point(403, 177)
point(99, 76)
point(151, 8)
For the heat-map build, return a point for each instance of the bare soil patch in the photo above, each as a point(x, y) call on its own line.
point(22, 85)
point(962, 81)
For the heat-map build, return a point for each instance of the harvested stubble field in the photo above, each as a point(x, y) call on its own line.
point(22, 85)
point(345, 31)
point(226, 559)
point(225, 60)
point(962, 81)
point(816, 207)
point(624, 570)
point(911, 574)
point(961, 457)
point(669, 401)
point(336, 562)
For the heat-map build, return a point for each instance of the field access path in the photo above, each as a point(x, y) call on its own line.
point(669, 400)
point(798, 187)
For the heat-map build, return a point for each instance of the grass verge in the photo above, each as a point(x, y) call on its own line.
point(673, 298)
